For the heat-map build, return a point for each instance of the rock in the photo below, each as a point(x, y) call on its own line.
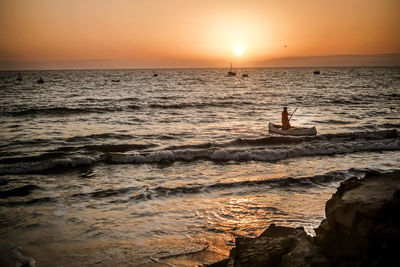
point(362, 228)
point(276, 246)
point(11, 256)
point(362, 223)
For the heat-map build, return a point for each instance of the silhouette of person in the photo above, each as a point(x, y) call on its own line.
point(285, 119)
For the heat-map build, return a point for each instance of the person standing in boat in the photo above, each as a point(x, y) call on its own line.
point(285, 119)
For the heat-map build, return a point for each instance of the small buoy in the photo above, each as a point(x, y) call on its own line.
point(155, 75)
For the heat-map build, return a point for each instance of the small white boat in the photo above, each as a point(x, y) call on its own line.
point(275, 128)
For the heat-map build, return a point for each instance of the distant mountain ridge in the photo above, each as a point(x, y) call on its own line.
point(333, 61)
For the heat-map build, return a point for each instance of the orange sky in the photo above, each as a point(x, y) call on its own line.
point(186, 33)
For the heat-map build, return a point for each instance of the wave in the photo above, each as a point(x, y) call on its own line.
point(102, 109)
point(268, 149)
point(29, 202)
point(281, 183)
point(108, 192)
point(41, 157)
point(201, 105)
point(48, 165)
point(283, 140)
point(340, 102)
point(106, 148)
point(57, 111)
point(241, 142)
point(103, 136)
point(391, 95)
point(18, 191)
point(390, 125)
point(263, 154)
point(330, 122)
point(62, 111)
point(144, 193)
point(64, 150)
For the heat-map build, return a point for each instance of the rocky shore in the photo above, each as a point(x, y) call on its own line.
point(362, 228)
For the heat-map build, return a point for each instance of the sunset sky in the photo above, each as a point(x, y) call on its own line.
point(185, 33)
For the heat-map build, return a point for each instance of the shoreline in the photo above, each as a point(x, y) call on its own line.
point(354, 212)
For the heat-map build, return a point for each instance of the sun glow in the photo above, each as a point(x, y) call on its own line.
point(239, 50)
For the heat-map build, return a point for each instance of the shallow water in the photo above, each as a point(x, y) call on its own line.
point(96, 172)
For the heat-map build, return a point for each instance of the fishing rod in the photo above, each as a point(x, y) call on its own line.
point(292, 114)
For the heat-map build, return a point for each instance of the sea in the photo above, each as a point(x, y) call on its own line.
point(129, 168)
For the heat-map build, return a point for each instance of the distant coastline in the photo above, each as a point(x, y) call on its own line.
point(334, 61)
point(378, 60)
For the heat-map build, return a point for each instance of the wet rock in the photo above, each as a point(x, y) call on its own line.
point(362, 228)
point(276, 246)
point(363, 222)
point(11, 256)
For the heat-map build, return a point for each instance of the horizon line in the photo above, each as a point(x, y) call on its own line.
point(281, 60)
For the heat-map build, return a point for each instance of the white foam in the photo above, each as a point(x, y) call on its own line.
point(270, 154)
point(319, 148)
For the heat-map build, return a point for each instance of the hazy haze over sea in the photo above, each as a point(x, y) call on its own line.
point(114, 167)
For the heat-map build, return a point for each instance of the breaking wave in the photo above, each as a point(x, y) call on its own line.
point(267, 149)
point(261, 154)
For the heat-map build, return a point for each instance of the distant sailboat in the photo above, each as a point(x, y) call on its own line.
point(231, 73)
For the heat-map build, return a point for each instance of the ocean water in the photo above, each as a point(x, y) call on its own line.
point(120, 168)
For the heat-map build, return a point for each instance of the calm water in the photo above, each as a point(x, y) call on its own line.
point(95, 172)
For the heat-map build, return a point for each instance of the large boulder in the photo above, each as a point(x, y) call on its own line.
point(362, 224)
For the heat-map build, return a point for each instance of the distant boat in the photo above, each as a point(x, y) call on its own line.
point(317, 72)
point(19, 78)
point(231, 72)
point(115, 81)
point(155, 75)
point(245, 75)
point(40, 80)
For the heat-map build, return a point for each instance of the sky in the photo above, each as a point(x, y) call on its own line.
point(186, 33)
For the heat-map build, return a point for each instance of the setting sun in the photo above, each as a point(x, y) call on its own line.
point(239, 50)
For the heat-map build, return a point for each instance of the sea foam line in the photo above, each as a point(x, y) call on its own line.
point(269, 154)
